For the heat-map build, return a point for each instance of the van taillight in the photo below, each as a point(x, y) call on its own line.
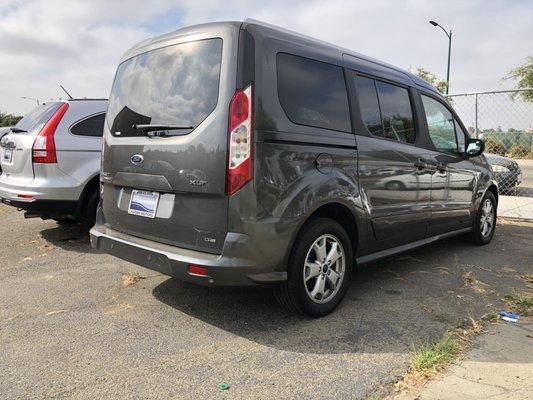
point(44, 147)
point(240, 140)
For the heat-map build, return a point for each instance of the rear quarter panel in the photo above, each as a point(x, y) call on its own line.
point(287, 189)
point(79, 156)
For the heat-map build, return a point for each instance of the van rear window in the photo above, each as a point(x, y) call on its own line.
point(174, 85)
point(313, 92)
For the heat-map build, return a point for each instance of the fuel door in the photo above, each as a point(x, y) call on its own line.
point(324, 163)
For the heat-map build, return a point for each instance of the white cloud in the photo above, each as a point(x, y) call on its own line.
point(78, 43)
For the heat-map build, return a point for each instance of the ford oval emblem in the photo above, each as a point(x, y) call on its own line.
point(137, 159)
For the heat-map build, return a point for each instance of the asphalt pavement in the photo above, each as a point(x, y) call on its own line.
point(70, 328)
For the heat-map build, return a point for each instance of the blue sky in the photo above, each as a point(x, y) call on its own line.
point(44, 43)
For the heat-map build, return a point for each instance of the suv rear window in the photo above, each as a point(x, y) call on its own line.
point(313, 92)
point(174, 85)
point(36, 118)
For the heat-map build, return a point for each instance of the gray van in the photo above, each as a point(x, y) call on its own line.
point(239, 153)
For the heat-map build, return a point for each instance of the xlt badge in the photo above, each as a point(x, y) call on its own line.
point(197, 182)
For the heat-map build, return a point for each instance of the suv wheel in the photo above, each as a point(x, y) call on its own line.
point(319, 270)
point(485, 222)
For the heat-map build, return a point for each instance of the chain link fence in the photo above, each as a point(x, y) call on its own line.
point(505, 121)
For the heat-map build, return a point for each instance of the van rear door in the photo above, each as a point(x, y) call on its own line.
point(165, 139)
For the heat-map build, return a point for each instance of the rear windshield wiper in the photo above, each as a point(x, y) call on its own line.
point(18, 130)
point(160, 130)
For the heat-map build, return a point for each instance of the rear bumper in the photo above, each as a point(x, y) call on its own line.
point(49, 186)
point(45, 208)
point(236, 266)
point(49, 195)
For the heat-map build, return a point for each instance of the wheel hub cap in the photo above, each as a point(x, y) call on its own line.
point(324, 268)
point(486, 221)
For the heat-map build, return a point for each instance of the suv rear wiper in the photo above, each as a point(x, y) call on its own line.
point(18, 130)
point(160, 130)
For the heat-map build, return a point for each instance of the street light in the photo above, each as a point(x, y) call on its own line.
point(449, 52)
point(30, 98)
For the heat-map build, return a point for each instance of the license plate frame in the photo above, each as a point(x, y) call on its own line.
point(143, 203)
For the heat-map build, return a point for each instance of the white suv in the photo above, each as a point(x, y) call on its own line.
point(51, 161)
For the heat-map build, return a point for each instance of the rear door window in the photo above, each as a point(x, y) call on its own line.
point(369, 104)
point(92, 126)
point(313, 93)
point(173, 85)
point(396, 112)
point(385, 109)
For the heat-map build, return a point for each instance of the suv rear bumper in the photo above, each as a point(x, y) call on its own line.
point(49, 186)
point(45, 208)
point(39, 198)
point(237, 266)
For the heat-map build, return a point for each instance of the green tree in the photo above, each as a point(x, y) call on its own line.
point(524, 75)
point(430, 77)
point(9, 119)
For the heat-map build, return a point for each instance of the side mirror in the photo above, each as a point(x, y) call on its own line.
point(474, 147)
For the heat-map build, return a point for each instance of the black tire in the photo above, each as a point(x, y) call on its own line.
point(293, 294)
point(88, 212)
point(476, 236)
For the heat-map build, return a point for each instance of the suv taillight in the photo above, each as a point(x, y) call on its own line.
point(44, 147)
point(240, 140)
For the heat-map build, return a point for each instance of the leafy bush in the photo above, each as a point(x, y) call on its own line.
point(9, 119)
point(495, 147)
point(519, 151)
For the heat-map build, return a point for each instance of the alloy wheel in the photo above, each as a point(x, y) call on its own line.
point(486, 221)
point(324, 270)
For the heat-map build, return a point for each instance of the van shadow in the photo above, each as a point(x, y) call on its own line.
point(70, 237)
point(390, 306)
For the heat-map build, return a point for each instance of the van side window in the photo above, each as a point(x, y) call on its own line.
point(461, 137)
point(369, 104)
point(313, 93)
point(92, 126)
point(396, 112)
point(385, 109)
point(441, 126)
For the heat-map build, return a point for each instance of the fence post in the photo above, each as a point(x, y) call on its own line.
point(475, 120)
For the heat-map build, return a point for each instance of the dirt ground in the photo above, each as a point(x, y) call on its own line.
point(71, 329)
